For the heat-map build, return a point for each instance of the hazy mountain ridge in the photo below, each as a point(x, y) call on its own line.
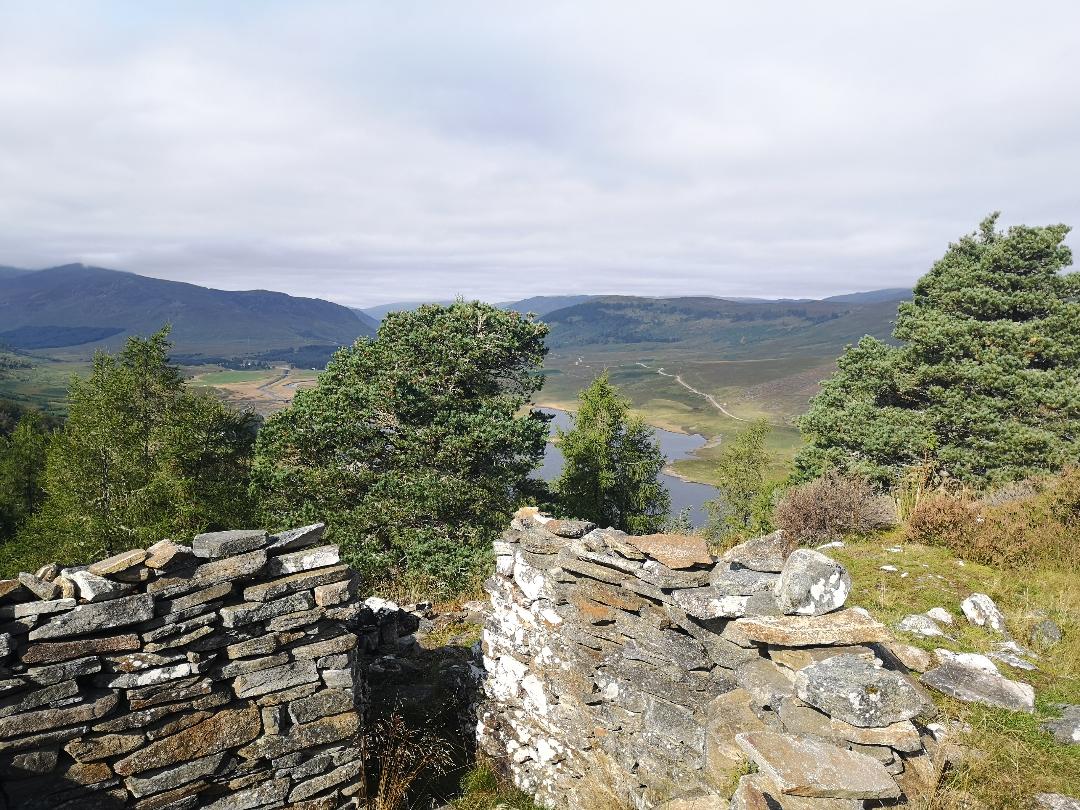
point(737, 327)
point(205, 321)
point(537, 304)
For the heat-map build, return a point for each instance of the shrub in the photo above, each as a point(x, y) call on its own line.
point(831, 506)
point(944, 520)
point(1037, 523)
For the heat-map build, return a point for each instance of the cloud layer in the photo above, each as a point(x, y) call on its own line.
point(367, 151)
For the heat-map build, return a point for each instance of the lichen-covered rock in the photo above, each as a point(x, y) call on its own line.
point(981, 611)
point(1066, 729)
point(974, 685)
point(1045, 634)
point(812, 584)
point(858, 691)
point(921, 625)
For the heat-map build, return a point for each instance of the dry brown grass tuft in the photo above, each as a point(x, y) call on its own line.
point(396, 760)
point(1031, 523)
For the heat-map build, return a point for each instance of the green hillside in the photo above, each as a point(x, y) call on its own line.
point(74, 310)
point(749, 329)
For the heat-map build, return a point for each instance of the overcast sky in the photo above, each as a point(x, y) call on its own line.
point(368, 152)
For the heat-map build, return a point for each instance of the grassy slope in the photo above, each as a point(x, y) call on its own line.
point(1012, 758)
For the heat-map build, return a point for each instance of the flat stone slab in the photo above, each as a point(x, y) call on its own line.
point(766, 553)
point(213, 545)
point(852, 689)
point(90, 618)
point(973, 685)
point(799, 766)
point(850, 626)
point(757, 792)
point(296, 538)
point(711, 603)
point(229, 728)
point(673, 550)
point(118, 562)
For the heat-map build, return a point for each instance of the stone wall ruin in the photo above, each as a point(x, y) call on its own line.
point(642, 672)
point(221, 675)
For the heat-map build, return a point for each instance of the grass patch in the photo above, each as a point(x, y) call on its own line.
point(482, 788)
point(1011, 758)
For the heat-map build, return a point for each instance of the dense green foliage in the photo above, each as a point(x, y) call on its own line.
point(611, 463)
point(22, 467)
point(139, 458)
point(412, 446)
point(744, 504)
point(985, 384)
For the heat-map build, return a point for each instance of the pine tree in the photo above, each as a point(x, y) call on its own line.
point(141, 457)
point(414, 447)
point(611, 465)
point(984, 384)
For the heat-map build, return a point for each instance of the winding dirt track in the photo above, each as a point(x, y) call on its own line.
point(707, 397)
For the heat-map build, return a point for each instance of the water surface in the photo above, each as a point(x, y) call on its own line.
point(675, 446)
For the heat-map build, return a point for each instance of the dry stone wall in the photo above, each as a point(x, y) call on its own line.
point(641, 672)
point(221, 675)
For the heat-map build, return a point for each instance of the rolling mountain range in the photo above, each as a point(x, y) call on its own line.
point(538, 304)
point(736, 328)
point(89, 308)
point(74, 310)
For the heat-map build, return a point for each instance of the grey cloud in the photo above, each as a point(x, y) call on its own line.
point(367, 152)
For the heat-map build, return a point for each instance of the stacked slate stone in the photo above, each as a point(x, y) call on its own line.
point(219, 675)
point(642, 672)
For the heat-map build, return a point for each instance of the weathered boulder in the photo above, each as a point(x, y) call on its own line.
point(921, 625)
point(1066, 729)
point(973, 685)
point(803, 767)
point(1045, 634)
point(852, 689)
point(1056, 801)
point(981, 611)
point(766, 553)
point(812, 584)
